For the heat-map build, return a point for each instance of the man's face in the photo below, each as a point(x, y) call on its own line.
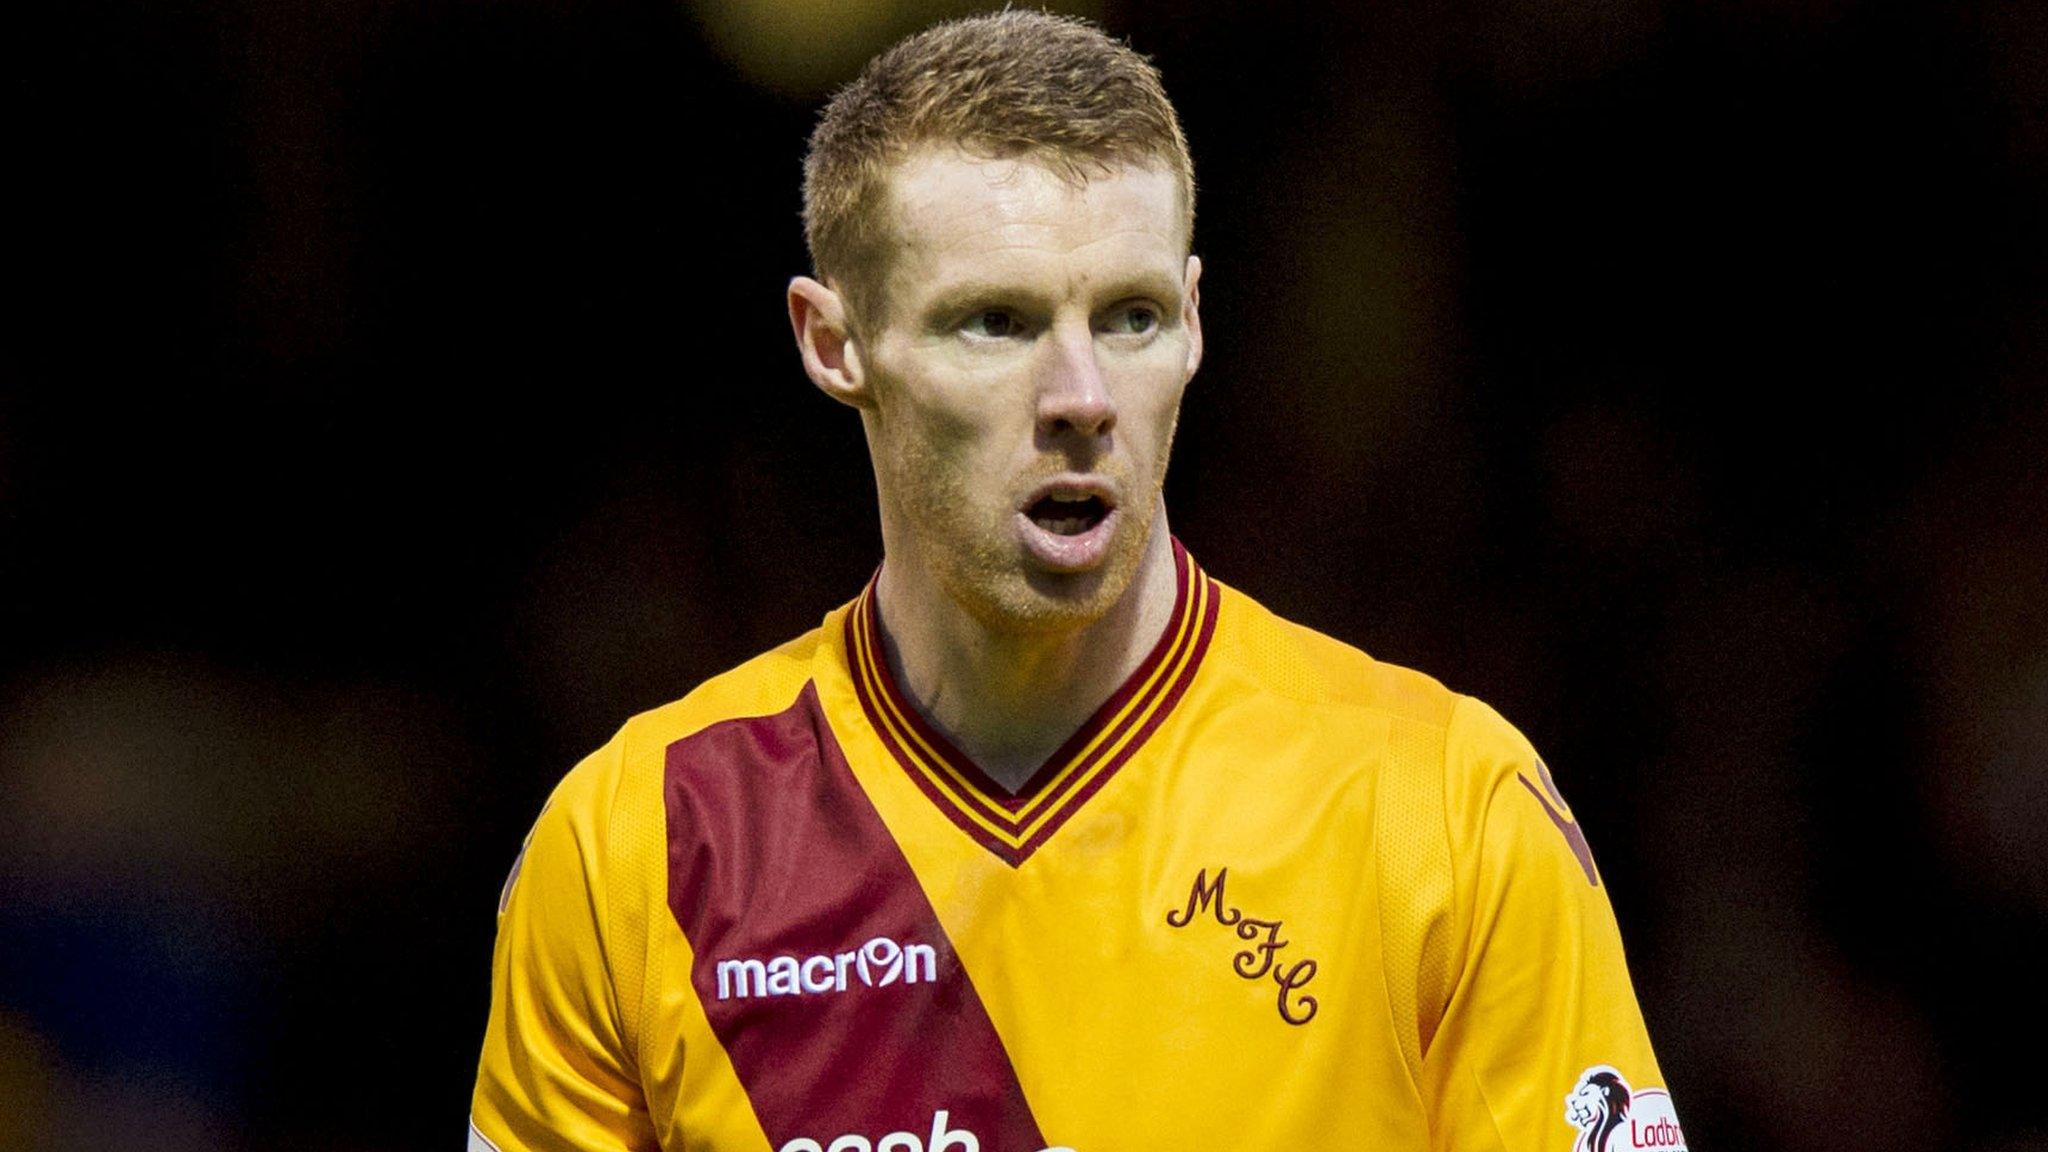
point(1026, 374)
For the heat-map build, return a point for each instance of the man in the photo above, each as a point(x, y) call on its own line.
point(1048, 840)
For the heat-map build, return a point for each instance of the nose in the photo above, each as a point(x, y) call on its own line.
point(1073, 397)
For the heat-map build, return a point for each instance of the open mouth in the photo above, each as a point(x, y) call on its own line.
point(1069, 523)
point(1068, 515)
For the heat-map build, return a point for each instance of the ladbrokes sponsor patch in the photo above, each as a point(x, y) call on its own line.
point(1612, 1117)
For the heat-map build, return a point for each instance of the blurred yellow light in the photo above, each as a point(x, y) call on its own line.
point(804, 48)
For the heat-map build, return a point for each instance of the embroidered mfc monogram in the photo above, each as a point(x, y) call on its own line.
point(1260, 959)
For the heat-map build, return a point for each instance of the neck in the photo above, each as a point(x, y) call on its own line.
point(1009, 698)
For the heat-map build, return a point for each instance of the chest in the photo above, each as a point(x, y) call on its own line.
point(1164, 969)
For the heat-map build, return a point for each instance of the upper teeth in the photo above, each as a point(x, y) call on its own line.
point(1059, 499)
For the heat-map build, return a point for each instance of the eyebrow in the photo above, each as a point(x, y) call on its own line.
point(971, 293)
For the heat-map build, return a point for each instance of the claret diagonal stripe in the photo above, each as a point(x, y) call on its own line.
point(1014, 826)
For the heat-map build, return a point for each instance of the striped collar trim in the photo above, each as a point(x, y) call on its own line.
point(1013, 826)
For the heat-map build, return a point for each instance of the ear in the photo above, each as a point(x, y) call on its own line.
point(817, 315)
point(1191, 313)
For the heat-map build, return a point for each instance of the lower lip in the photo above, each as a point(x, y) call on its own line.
point(1067, 554)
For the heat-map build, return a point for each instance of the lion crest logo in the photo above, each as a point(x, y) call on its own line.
point(1597, 1107)
point(1602, 1103)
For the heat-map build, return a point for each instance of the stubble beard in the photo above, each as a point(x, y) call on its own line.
point(972, 550)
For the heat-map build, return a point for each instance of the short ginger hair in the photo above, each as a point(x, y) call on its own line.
point(1054, 90)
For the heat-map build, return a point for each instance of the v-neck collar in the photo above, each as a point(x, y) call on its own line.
point(1014, 826)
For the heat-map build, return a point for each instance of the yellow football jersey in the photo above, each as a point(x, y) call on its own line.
point(1273, 895)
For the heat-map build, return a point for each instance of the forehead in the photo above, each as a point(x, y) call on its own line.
point(951, 211)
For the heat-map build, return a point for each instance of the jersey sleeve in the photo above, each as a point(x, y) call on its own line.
point(557, 1072)
point(1542, 1044)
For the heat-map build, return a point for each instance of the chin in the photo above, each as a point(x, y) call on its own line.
point(1012, 594)
point(1045, 602)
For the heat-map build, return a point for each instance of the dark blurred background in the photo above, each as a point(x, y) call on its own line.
point(399, 396)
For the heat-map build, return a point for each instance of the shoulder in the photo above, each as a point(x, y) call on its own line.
point(1458, 745)
point(1309, 668)
point(1460, 792)
point(762, 686)
point(598, 848)
point(617, 788)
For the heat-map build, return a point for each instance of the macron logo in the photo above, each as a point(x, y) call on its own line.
point(878, 963)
